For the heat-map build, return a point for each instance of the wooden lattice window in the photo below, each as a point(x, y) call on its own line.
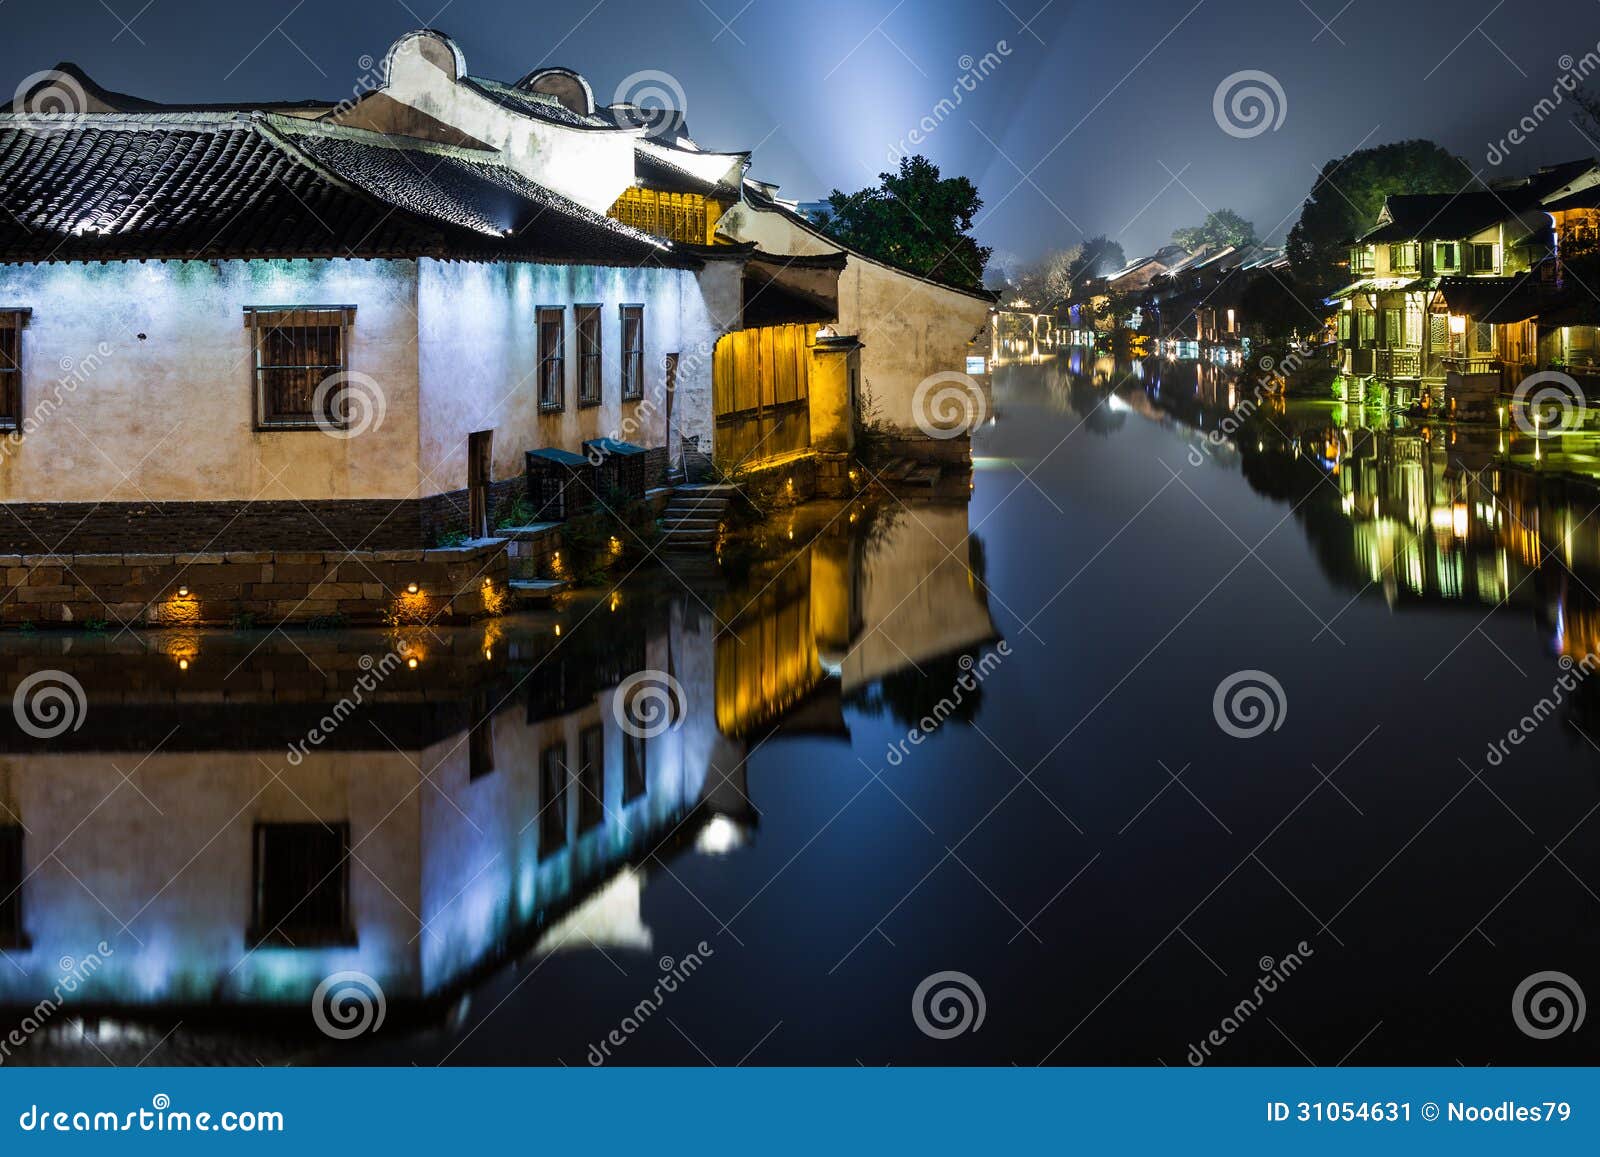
point(11, 323)
point(300, 364)
point(588, 355)
point(301, 885)
point(632, 353)
point(552, 360)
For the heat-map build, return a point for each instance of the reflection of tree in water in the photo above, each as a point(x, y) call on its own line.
point(1092, 405)
point(930, 690)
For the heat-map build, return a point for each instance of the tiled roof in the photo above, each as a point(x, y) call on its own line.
point(105, 188)
point(475, 193)
point(207, 186)
point(1448, 216)
point(533, 104)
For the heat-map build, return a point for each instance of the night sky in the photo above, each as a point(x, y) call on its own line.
point(1098, 118)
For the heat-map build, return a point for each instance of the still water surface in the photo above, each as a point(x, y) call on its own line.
point(1077, 834)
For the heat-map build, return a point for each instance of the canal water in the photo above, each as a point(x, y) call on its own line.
point(1157, 747)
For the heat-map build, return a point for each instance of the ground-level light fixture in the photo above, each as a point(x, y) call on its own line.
point(183, 592)
point(411, 589)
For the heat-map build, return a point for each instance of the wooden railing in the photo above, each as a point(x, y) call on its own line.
point(1473, 364)
point(1398, 363)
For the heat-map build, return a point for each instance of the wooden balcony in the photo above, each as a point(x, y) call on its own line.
point(1397, 363)
point(1473, 364)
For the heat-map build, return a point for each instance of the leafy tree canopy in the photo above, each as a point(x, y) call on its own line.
point(914, 219)
point(1047, 282)
point(1221, 228)
point(1348, 195)
point(1097, 257)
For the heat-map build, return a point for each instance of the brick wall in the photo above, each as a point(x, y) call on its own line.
point(270, 587)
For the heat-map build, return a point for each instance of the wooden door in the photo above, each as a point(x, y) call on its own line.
point(480, 469)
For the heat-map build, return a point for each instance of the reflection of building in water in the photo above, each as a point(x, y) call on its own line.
point(814, 630)
point(240, 819)
point(1422, 513)
point(458, 815)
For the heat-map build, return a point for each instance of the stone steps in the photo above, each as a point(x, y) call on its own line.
point(694, 515)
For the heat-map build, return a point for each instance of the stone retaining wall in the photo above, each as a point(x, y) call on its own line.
point(264, 588)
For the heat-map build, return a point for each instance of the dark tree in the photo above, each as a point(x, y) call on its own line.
point(1097, 257)
point(915, 219)
point(1276, 301)
point(1348, 194)
point(1220, 228)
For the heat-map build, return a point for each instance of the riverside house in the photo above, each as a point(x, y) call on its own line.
point(297, 335)
point(1449, 288)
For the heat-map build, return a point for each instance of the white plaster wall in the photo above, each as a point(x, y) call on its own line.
point(591, 166)
point(114, 416)
point(910, 328)
point(478, 353)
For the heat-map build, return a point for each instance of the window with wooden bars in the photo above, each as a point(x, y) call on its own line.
point(591, 778)
point(632, 353)
point(552, 799)
point(1446, 255)
point(1484, 257)
point(301, 884)
point(552, 359)
point(1362, 259)
point(300, 355)
point(588, 355)
point(11, 323)
point(12, 934)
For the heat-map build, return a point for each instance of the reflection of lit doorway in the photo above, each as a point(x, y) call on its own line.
point(480, 465)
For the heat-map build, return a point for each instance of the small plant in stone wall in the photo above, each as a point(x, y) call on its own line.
point(445, 539)
point(618, 529)
point(517, 513)
point(872, 432)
